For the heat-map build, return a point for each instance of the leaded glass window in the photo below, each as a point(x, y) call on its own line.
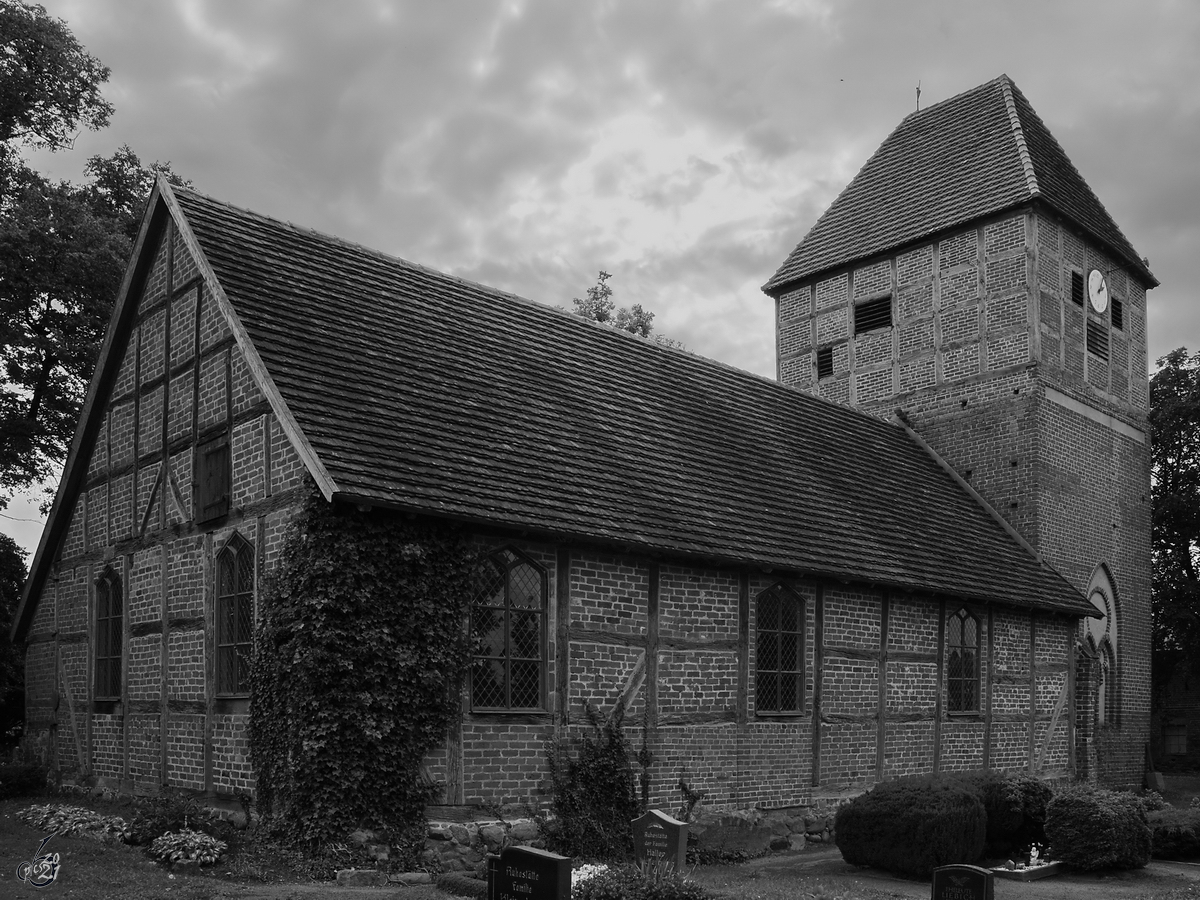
point(779, 652)
point(235, 616)
point(109, 635)
point(962, 662)
point(508, 616)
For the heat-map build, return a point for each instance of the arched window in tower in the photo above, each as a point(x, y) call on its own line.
point(962, 662)
point(235, 616)
point(1102, 635)
point(508, 624)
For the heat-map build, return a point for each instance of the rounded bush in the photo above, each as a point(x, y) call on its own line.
point(1015, 803)
point(1093, 828)
point(913, 825)
point(1176, 833)
point(21, 781)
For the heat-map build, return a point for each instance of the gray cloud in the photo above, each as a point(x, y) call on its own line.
point(685, 147)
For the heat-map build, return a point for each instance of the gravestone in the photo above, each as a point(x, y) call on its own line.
point(524, 873)
point(962, 883)
point(656, 836)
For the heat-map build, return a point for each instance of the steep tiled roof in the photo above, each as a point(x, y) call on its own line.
point(973, 155)
point(420, 391)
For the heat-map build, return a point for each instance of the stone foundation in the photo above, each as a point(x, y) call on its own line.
point(464, 846)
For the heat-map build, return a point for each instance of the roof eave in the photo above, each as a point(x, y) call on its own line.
point(1073, 603)
point(774, 288)
point(1135, 264)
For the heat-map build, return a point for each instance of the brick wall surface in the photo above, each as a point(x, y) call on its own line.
point(599, 673)
point(609, 593)
point(183, 327)
point(231, 754)
point(775, 763)
point(185, 751)
point(145, 750)
point(143, 668)
point(503, 763)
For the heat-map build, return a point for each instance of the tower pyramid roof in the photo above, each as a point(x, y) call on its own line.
point(973, 155)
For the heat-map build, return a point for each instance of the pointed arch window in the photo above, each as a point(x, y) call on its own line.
point(962, 662)
point(110, 612)
point(235, 616)
point(508, 623)
point(1102, 634)
point(779, 652)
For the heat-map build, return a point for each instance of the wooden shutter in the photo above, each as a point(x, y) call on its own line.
point(212, 483)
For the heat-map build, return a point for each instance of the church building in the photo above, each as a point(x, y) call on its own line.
point(923, 547)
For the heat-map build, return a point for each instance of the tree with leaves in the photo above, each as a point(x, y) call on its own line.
point(12, 659)
point(1175, 499)
point(63, 247)
point(599, 306)
point(49, 85)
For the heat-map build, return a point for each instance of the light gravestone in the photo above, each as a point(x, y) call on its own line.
point(656, 836)
point(962, 883)
point(524, 873)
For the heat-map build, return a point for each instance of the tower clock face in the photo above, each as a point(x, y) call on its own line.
point(1098, 290)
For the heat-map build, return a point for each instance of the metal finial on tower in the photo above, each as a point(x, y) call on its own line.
point(918, 95)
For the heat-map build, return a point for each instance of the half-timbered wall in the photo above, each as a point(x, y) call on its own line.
point(674, 645)
point(183, 382)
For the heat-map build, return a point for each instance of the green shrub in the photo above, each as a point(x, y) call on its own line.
point(913, 825)
point(1176, 833)
point(21, 781)
point(1015, 804)
point(75, 820)
point(1092, 828)
point(638, 883)
point(1153, 801)
point(173, 810)
point(187, 846)
point(356, 669)
point(593, 793)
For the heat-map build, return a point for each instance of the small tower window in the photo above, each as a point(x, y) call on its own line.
point(824, 362)
point(1118, 314)
point(1077, 288)
point(873, 315)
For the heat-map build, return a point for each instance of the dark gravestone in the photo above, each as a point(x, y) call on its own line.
point(523, 873)
point(962, 883)
point(656, 836)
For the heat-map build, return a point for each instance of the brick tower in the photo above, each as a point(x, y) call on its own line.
point(969, 284)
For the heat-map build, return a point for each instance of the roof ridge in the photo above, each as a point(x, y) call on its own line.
point(695, 358)
point(999, 79)
point(1006, 87)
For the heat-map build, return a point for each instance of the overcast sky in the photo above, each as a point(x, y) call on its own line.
point(683, 147)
